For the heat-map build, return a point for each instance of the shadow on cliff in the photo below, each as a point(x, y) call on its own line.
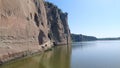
point(41, 37)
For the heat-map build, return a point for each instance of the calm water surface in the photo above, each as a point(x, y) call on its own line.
point(93, 54)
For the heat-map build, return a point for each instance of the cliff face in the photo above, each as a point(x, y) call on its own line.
point(30, 26)
point(26, 20)
point(58, 24)
point(23, 20)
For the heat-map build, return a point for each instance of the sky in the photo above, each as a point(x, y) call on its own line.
point(100, 18)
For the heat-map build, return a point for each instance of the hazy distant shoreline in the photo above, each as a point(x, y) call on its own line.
point(80, 37)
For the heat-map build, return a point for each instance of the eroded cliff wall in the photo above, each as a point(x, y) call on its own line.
point(29, 20)
point(28, 26)
point(23, 20)
point(58, 24)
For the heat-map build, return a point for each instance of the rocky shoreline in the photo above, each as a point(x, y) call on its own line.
point(11, 52)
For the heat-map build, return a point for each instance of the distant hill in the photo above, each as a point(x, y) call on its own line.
point(80, 37)
point(109, 38)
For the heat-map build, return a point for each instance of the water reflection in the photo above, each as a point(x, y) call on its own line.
point(59, 57)
point(81, 45)
point(96, 54)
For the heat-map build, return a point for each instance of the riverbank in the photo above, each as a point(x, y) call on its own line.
point(15, 51)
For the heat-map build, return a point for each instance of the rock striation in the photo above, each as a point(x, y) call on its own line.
point(29, 26)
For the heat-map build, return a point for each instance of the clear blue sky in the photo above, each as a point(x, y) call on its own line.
point(100, 18)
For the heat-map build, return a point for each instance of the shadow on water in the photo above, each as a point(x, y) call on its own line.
point(40, 37)
point(59, 57)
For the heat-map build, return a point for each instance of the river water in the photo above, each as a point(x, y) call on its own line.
point(92, 54)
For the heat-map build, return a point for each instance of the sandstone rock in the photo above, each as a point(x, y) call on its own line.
point(23, 20)
point(59, 31)
point(27, 20)
point(26, 25)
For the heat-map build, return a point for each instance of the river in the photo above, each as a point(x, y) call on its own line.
point(92, 54)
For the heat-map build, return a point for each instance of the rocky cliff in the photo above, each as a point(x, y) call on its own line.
point(58, 24)
point(28, 26)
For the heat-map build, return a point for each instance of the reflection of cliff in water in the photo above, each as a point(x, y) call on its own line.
point(58, 57)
